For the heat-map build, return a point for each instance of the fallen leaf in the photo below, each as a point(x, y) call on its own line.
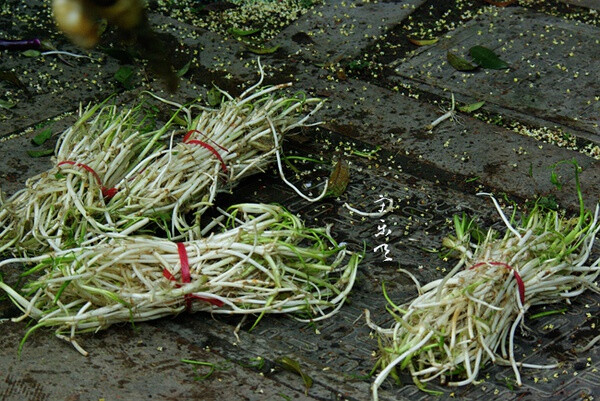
point(40, 153)
point(423, 42)
point(31, 53)
point(124, 76)
point(338, 181)
point(5, 104)
point(459, 63)
point(42, 137)
point(468, 108)
point(184, 69)
point(214, 97)
point(486, 58)
point(358, 65)
point(292, 365)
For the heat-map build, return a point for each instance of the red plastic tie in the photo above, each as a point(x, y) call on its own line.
point(107, 193)
point(186, 277)
point(192, 131)
point(518, 279)
point(168, 275)
point(205, 146)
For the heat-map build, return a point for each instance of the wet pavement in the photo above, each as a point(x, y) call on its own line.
point(381, 93)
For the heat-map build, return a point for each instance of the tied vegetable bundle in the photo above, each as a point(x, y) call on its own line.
point(264, 261)
point(220, 147)
point(57, 208)
point(460, 322)
point(110, 176)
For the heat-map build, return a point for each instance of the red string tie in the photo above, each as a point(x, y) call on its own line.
point(210, 148)
point(186, 277)
point(518, 279)
point(107, 193)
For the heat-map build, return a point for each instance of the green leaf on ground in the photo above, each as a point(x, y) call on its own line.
point(40, 153)
point(486, 58)
point(124, 76)
point(423, 42)
point(42, 137)
point(294, 367)
point(468, 108)
point(338, 181)
point(358, 65)
point(214, 97)
point(180, 73)
point(47, 45)
point(5, 104)
point(32, 53)
point(459, 63)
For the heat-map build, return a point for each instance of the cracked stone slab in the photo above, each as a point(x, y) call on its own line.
point(553, 67)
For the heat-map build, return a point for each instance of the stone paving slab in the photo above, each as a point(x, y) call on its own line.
point(513, 163)
point(342, 30)
point(593, 4)
point(50, 94)
point(552, 73)
point(129, 364)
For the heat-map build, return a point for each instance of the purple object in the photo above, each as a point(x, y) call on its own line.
point(20, 44)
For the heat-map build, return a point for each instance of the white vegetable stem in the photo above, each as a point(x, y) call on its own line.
point(451, 113)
